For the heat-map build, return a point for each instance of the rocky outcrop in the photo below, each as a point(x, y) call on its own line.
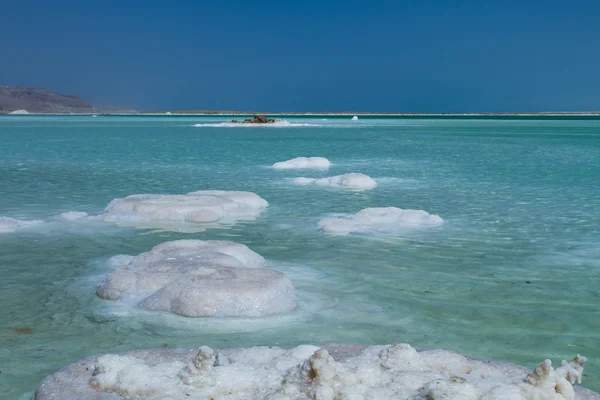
point(257, 119)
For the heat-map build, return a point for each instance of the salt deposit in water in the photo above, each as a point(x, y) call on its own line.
point(303, 162)
point(196, 278)
point(350, 181)
point(73, 215)
point(169, 211)
point(9, 225)
point(334, 371)
point(379, 219)
point(277, 124)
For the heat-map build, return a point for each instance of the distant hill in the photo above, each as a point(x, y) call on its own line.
point(40, 100)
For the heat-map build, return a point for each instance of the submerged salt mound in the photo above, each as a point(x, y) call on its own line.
point(350, 181)
point(73, 215)
point(379, 219)
point(196, 278)
point(201, 207)
point(303, 163)
point(334, 371)
point(120, 259)
point(10, 225)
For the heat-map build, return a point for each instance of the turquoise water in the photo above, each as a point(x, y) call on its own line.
point(513, 274)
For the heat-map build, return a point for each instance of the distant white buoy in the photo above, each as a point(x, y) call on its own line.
point(355, 118)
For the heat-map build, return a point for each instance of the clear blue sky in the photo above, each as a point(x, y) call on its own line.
point(431, 56)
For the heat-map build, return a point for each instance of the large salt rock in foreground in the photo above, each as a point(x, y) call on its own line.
point(309, 372)
point(202, 207)
point(303, 163)
point(197, 278)
point(351, 181)
point(9, 225)
point(379, 219)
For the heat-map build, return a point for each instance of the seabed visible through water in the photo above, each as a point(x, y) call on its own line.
point(512, 274)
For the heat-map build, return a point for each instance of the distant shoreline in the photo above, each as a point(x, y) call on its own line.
point(365, 113)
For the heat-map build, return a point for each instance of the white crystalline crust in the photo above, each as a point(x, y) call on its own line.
point(201, 207)
point(351, 181)
point(9, 225)
point(334, 371)
point(303, 162)
point(379, 219)
point(196, 278)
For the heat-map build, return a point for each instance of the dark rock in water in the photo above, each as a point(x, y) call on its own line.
point(257, 119)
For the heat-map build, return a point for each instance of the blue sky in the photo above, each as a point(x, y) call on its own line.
point(430, 56)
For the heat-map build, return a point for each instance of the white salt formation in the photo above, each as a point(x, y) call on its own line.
point(379, 219)
point(355, 118)
point(171, 210)
point(9, 225)
point(277, 124)
point(19, 112)
point(309, 372)
point(196, 278)
point(350, 181)
point(303, 163)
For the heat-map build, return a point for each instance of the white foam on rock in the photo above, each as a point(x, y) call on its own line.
point(277, 124)
point(333, 371)
point(10, 225)
point(73, 215)
point(379, 219)
point(170, 212)
point(196, 278)
point(351, 181)
point(303, 163)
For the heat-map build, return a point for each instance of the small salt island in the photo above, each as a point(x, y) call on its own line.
point(257, 119)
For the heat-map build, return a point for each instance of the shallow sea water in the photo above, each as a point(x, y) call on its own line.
point(513, 274)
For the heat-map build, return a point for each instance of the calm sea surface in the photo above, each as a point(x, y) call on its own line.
point(513, 274)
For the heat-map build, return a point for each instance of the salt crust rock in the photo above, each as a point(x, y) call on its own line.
point(197, 278)
point(303, 162)
point(9, 225)
point(379, 219)
point(334, 371)
point(351, 181)
point(201, 207)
